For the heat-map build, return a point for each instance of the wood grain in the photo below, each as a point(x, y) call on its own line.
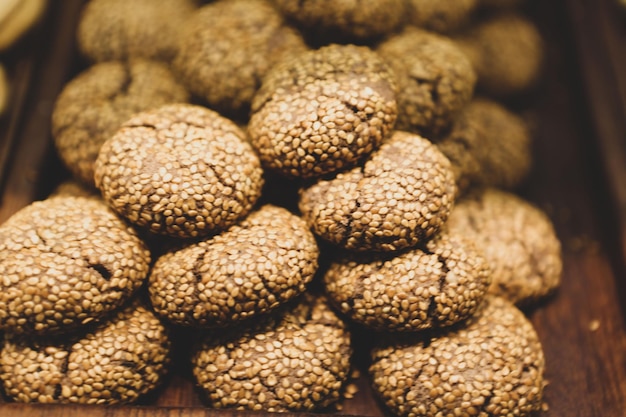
point(578, 115)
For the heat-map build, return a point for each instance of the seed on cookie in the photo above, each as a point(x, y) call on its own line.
point(228, 46)
point(115, 362)
point(323, 111)
point(491, 365)
point(348, 21)
point(488, 145)
point(94, 105)
point(435, 79)
point(506, 51)
point(440, 16)
point(294, 360)
point(66, 261)
point(431, 286)
point(252, 268)
point(179, 170)
point(518, 242)
point(111, 30)
point(400, 197)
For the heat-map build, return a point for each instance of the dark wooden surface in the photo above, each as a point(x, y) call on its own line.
point(579, 179)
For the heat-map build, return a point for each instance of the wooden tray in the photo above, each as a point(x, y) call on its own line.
point(579, 178)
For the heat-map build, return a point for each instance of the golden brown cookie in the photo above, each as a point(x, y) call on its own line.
point(114, 362)
point(66, 261)
point(435, 79)
point(492, 365)
point(431, 286)
point(344, 20)
point(94, 105)
point(228, 46)
point(517, 239)
point(179, 170)
point(322, 111)
point(117, 30)
point(400, 197)
point(488, 145)
point(440, 15)
point(506, 51)
point(262, 262)
point(297, 360)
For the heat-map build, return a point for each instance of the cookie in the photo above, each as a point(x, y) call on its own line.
point(17, 17)
point(226, 49)
point(4, 90)
point(332, 20)
point(506, 51)
point(179, 170)
point(441, 16)
point(432, 286)
point(250, 269)
point(400, 197)
point(66, 261)
point(518, 241)
point(492, 365)
point(115, 362)
point(435, 79)
point(93, 105)
point(118, 30)
point(488, 145)
point(323, 111)
point(294, 361)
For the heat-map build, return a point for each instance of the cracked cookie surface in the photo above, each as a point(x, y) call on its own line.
point(179, 170)
point(401, 196)
point(250, 269)
point(435, 285)
point(66, 262)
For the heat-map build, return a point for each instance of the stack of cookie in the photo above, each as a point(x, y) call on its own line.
point(182, 134)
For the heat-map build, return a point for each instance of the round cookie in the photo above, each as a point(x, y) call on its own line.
point(66, 262)
point(115, 362)
point(492, 366)
point(111, 30)
point(228, 46)
point(435, 79)
point(440, 15)
point(344, 20)
point(506, 51)
point(488, 145)
point(92, 106)
point(432, 286)
point(179, 170)
point(399, 198)
point(17, 17)
point(322, 111)
point(297, 360)
point(250, 269)
point(518, 242)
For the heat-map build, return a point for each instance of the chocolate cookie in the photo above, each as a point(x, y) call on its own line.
point(66, 262)
point(345, 20)
point(322, 111)
point(399, 198)
point(250, 269)
point(228, 46)
point(435, 285)
point(179, 170)
point(506, 51)
point(115, 362)
point(488, 145)
point(491, 365)
point(94, 105)
point(111, 30)
point(297, 360)
point(517, 239)
point(440, 15)
point(435, 79)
